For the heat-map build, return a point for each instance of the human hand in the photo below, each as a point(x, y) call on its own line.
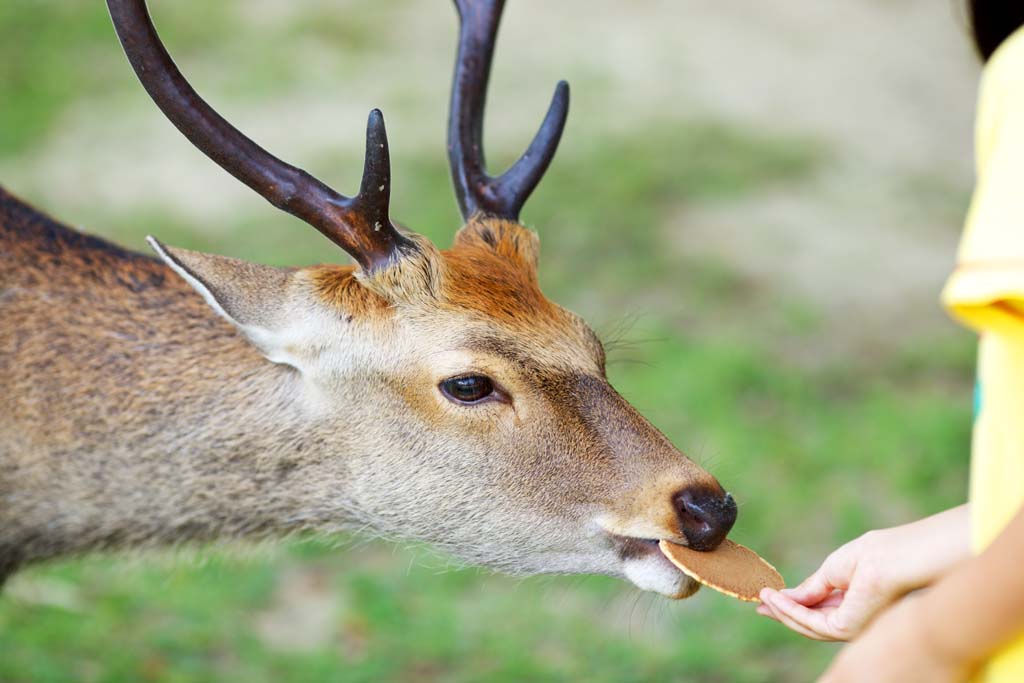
point(895, 649)
point(868, 574)
point(838, 600)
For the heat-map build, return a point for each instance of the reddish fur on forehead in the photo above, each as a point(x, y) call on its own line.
point(504, 238)
point(492, 269)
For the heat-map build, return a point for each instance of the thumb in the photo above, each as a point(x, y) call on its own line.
point(811, 590)
point(834, 573)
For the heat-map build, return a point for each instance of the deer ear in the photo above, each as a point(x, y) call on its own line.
point(252, 297)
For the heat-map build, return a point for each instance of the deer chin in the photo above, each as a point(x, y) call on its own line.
point(648, 569)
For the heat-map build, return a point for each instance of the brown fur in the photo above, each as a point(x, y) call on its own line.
point(339, 288)
point(93, 338)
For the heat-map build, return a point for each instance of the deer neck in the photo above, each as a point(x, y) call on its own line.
point(245, 458)
point(154, 421)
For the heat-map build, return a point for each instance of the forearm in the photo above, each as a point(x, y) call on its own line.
point(922, 552)
point(979, 605)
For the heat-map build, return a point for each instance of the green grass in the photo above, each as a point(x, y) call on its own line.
point(816, 452)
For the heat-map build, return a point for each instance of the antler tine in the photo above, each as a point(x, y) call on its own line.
point(359, 225)
point(475, 190)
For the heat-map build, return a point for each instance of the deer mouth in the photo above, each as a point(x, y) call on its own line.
point(648, 569)
point(630, 548)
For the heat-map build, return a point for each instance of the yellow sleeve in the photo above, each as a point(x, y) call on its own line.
point(986, 291)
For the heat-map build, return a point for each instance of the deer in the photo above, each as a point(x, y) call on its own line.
point(434, 395)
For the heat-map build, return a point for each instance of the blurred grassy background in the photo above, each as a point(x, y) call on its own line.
point(759, 205)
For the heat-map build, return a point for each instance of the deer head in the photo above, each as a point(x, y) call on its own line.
point(460, 406)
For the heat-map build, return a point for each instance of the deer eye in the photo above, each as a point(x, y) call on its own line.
point(467, 389)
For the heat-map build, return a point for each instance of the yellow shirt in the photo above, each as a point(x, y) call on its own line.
point(986, 291)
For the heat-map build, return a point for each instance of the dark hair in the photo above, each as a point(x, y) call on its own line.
point(992, 22)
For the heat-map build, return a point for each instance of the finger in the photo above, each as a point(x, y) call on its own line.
point(793, 625)
point(834, 573)
point(811, 619)
point(765, 611)
point(811, 590)
point(833, 600)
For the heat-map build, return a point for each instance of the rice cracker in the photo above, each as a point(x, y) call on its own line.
point(731, 568)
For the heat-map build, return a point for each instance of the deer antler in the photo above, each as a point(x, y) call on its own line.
point(360, 225)
point(475, 190)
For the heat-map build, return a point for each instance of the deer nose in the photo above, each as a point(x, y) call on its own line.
point(706, 516)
